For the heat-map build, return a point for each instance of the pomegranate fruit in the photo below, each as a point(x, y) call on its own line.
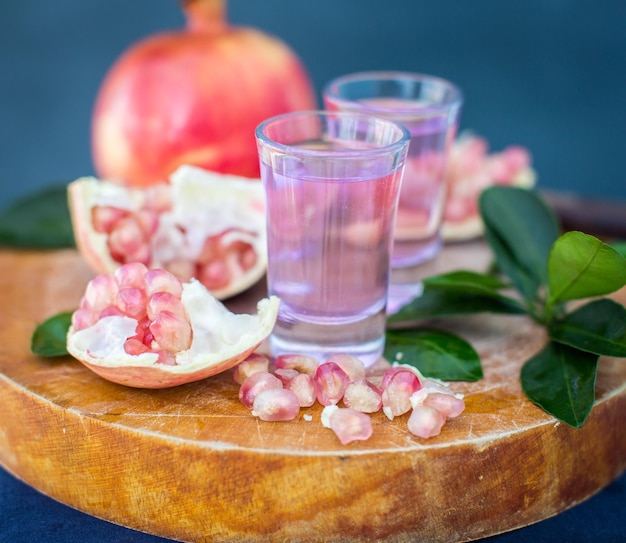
point(193, 96)
point(472, 169)
point(197, 226)
point(146, 329)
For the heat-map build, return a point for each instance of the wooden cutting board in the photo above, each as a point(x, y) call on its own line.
point(191, 463)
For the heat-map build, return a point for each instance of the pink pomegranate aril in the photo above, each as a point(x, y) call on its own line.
point(83, 318)
point(126, 238)
point(397, 390)
point(131, 275)
point(448, 405)
point(363, 396)
point(134, 346)
point(354, 367)
point(164, 301)
point(300, 362)
point(348, 424)
point(276, 404)
point(104, 218)
point(101, 292)
point(254, 384)
point(285, 375)
point(255, 363)
point(158, 280)
point(171, 333)
point(132, 302)
point(148, 221)
point(425, 421)
point(303, 386)
point(214, 274)
point(330, 383)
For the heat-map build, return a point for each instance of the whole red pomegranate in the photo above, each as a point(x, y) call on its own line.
point(194, 97)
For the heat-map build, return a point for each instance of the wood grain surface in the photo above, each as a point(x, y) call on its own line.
point(191, 463)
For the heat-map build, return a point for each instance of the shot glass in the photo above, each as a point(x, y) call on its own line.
point(429, 107)
point(332, 183)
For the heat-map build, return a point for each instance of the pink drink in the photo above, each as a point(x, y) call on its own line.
point(329, 262)
point(428, 107)
point(332, 184)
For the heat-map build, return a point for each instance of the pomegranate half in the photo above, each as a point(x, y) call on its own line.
point(472, 169)
point(146, 329)
point(201, 225)
point(193, 96)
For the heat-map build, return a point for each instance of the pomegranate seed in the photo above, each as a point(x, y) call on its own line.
point(162, 281)
point(348, 424)
point(125, 238)
point(354, 367)
point(363, 396)
point(167, 358)
point(425, 421)
point(132, 302)
point(111, 311)
point(255, 363)
point(83, 318)
point(158, 198)
point(148, 221)
point(300, 362)
point(170, 332)
point(303, 386)
point(164, 301)
point(214, 274)
point(277, 404)
point(286, 375)
point(448, 404)
point(134, 346)
point(131, 275)
point(254, 384)
point(101, 292)
point(398, 386)
point(104, 218)
point(330, 383)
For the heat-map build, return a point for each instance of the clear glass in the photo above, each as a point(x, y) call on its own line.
point(332, 184)
point(429, 107)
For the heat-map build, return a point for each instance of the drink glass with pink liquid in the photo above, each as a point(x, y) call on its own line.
point(429, 107)
point(332, 183)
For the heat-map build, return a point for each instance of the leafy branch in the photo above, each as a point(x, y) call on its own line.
point(545, 270)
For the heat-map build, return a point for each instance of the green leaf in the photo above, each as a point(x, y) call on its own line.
point(435, 353)
point(50, 337)
point(561, 380)
point(581, 266)
point(38, 221)
point(468, 281)
point(445, 302)
point(520, 228)
point(598, 327)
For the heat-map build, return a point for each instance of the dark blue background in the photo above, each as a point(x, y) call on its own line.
point(547, 74)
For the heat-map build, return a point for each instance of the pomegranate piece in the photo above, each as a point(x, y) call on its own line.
point(201, 225)
point(425, 421)
point(398, 384)
point(353, 366)
point(303, 386)
point(128, 331)
point(299, 362)
point(363, 396)
point(256, 383)
point(276, 404)
point(255, 363)
point(330, 383)
point(348, 424)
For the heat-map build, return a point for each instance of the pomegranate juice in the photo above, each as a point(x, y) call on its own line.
point(329, 241)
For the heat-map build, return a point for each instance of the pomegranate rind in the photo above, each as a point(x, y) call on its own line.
point(221, 340)
point(204, 203)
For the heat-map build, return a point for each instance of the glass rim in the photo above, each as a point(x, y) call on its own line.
point(455, 99)
point(403, 140)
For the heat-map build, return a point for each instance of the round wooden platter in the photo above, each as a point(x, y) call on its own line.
point(192, 464)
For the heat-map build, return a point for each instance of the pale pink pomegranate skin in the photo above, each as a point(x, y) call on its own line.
point(194, 97)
